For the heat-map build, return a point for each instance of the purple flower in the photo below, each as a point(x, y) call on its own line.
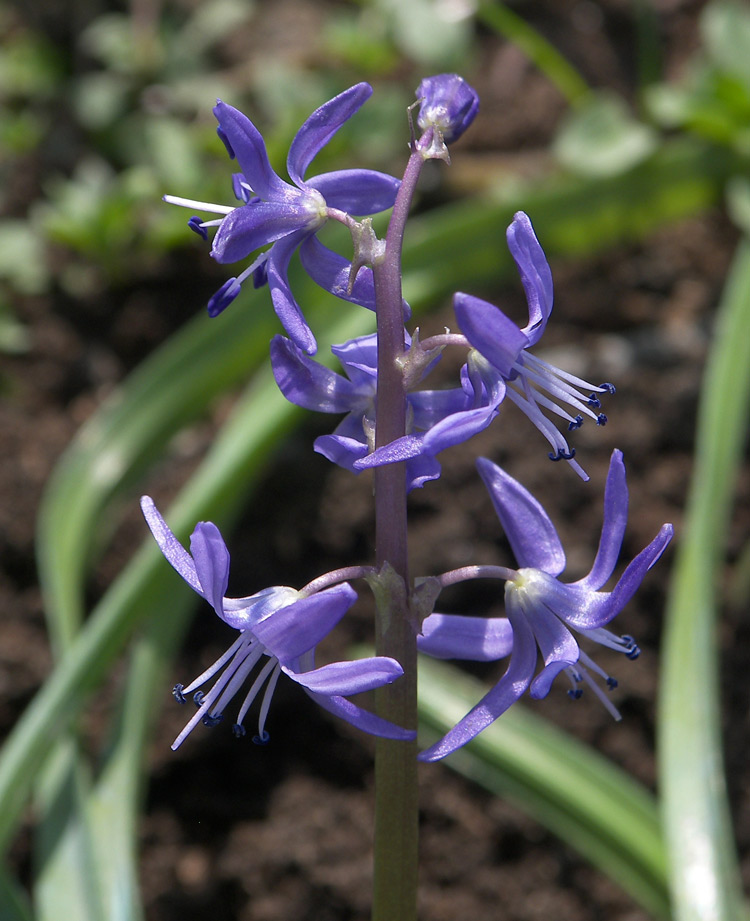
point(447, 107)
point(542, 611)
point(278, 627)
point(503, 350)
point(437, 418)
point(284, 215)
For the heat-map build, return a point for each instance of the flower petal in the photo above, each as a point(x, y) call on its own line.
point(613, 527)
point(490, 332)
point(211, 558)
point(344, 678)
point(363, 719)
point(536, 275)
point(527, 526)
point(176, 555)
point(251, 226)
point(357, 191)
point(293, 630)
point(250, 150)
point(286, 307)
point(320, 127)
point(331, 272)
point(503, 695)
point(454, 636)
point(340, 450)
point(308, 384)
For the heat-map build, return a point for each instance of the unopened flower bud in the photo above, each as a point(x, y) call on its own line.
point(448, 106)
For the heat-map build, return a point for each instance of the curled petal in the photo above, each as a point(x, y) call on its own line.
point(490, 332)
point(251, 226)
point(286, 307)
point(248, 146)
point(295, 629)
point(503, 695)
point(357, 191)
point(344, 678)
point(307, 383)
point(341, 450)
point(527, 526)
point(176, 555)
point(363, 719)
point(331, 272)
point(453, 636)
point(211, 559)
point(536, 275)
point(321, 126)
point(613, 527)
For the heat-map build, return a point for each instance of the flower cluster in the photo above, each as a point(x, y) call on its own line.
point(385, 378)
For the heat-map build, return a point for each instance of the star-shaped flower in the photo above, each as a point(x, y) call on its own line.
point(502, 349)
point(542, 611)
point(279, 625)
point(288, 215)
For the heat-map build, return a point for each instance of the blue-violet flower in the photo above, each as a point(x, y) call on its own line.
point(285, 215)
point(447, 106)
point(502, 349)
point(279, 625)
point(542, 611)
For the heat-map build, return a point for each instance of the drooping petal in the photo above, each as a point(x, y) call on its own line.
point(359, 358)
point(345, 678)
point(248, 146)
point(341, 450)
point(556, 643)
point(293, 630)
point(454, 636)
point(430, 406)
point(176, 555)
point(503, 695)
point(490, 332)
point(363, 719)
point(457, 428)
point(536, 275)
point(307, 383)
point(531, 534)
point(251, 226)
point(286, 307)
point(331, 271)
point(244, 613)
point(211, 559)
point(320, 127)
point(357, 191)
point(613, 527)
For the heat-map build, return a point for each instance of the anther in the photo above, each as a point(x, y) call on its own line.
point(611, 683)
point(601, 419)
point(196, 224)
point(212, 719)
point(562, 455)
point(632, 650)
point(576, 423)
point(610, 388)
point(238, 730)
point(198, 698)
point(575, 693)
point(594, 401)
point(262, 739)
point(177, 693)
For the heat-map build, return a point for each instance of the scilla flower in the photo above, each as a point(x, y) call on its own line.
point(278, 629)
point(447, 106)
point(283, 214)
point(502, 349)
point(542, 611)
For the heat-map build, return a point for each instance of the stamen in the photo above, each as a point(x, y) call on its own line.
point(609, 388)
point(594, 401)
point(632, 649)
point(177, 693)
point(262, 739)
point(196, 224)
point(576, 423)
point(238, 731)
point(197, 205)
point(601, 419)
point(212, 719)
point(563, 455)
point(198, 699)
point(575, 693)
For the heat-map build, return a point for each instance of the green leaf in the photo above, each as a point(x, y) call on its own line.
point(592, 804)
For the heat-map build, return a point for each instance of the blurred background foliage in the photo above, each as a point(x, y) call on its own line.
point(103, 110)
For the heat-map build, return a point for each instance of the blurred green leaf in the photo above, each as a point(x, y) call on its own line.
point(590, 803)
point(705, 878)
point(600, 138)
point(725, 30)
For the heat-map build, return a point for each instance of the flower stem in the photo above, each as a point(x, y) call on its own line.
point(396, 798)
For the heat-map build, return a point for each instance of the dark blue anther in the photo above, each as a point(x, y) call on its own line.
point(601, 419)
point(576, 423)
point(177, 693)
point(238, 730)
point(195, 224)
point(212, 719)
point(225, 141)
point(594, 401)
point(198, 698)
point(610, 388)
point(262, 739)
point(562, 455)
point(632, 650)
point(611, 683)
point(575, 693)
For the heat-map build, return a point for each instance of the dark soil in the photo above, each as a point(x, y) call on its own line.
point(234, 831)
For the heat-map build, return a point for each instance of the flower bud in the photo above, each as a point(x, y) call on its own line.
point(447, 107)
